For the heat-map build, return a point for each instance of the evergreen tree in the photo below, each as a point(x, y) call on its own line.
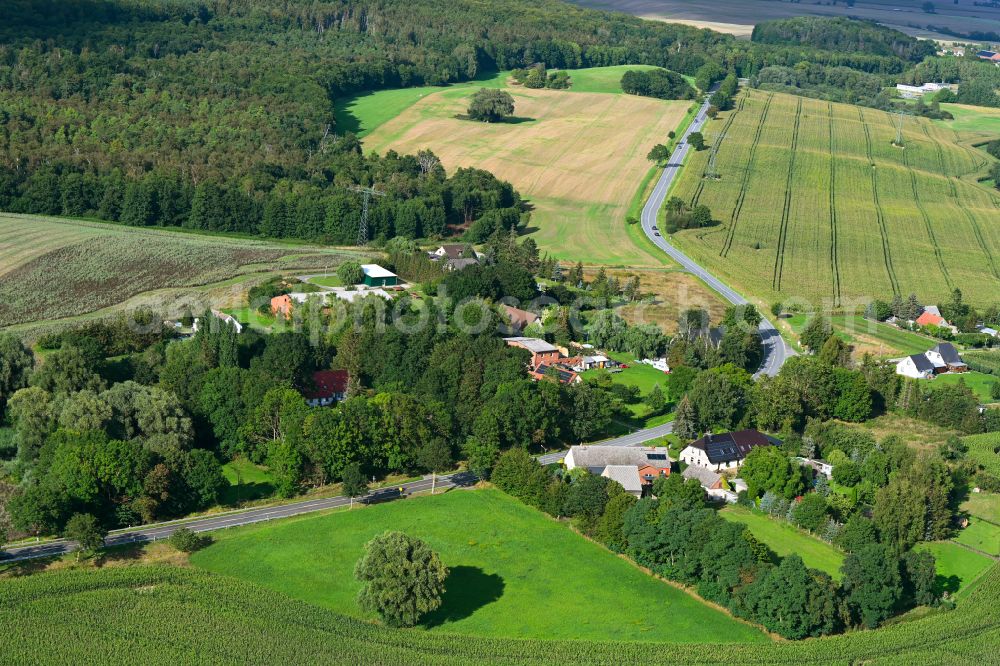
point(686, 421)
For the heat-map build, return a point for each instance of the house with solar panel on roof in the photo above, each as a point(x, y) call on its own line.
point(724, 451)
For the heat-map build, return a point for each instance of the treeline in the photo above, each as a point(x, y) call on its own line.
point(845, 35)
point(420, 199)
point(977, 80)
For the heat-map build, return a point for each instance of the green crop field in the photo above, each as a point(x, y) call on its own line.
point(52, 268)
point(985, 450)
point(784, 539)
point(509, 572)
point(986, 360)
point(959, 570)
point(162, 615)
point(815, 202)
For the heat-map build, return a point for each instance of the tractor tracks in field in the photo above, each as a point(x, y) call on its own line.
point(879, 214)
point(834, 259)
point(735, 216)
point(779, 258)
point(927, 221)
point(715, 148)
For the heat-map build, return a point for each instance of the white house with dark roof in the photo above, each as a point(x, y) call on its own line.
point(942, 358)
point(724, 450)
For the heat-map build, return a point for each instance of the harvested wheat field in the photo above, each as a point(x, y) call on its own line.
point(577, 157)
point(52, 268)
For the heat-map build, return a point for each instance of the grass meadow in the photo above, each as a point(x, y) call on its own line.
point(785, 539)
point(815, 202)
point(981, 535)
point(514, 572)
point(959, 570)
point(52, 268)
point(577, 157)
point(980, 383)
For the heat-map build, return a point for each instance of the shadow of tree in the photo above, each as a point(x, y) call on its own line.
point(949, 584)
point(467, 590)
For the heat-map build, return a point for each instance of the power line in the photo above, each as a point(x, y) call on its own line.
point(367, 193)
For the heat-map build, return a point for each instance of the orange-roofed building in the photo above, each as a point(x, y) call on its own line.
point(282, 305)
point(648, 474)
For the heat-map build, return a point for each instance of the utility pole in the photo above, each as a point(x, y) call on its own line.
point(367, 193)
point(899, 129)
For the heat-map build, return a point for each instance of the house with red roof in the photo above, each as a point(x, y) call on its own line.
point(329, 386)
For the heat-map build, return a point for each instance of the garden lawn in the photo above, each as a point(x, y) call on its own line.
point(979, 382)
point(981, 535)
point(958, 568)
point(785, 539)
point(514, 572)
point(983, 505)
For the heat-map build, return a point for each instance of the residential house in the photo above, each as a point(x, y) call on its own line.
point(992, 56)
point(282, 305)
point(917, 366)
point(541, 351)
point(564, 373)
point(376, 276)
point(725, 450)
point(329, 386)
point(931, 316)
point(708, 479)
point(595, 458)
point(591, 362)
point(520, 319)
point(649, 473)
point(460, 263)
point(228, 319)
point(627, 476)
point(946, 358)
point(453, 251)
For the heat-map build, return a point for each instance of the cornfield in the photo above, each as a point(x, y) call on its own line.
point(155, 615)
point(815, 201)
point(52, 268)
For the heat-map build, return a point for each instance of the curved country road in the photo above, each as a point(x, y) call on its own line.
point(775, 349)
point(775, 354)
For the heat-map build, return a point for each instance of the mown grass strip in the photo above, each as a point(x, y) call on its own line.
point(779, 258)
point(735, 216)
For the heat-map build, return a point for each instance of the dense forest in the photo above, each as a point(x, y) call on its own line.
point(219, 115)
point(842, 34)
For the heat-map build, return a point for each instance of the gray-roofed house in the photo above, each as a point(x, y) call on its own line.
point(706, 477)
point(945, 358)
point(541, 351)
point(627, 476)
point(916, 366)
point(724, 450)
point(596, 458)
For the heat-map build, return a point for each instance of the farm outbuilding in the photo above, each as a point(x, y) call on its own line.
point(376, 276)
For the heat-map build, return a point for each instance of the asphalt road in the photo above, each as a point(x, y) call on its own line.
point(775, 349)
point(220, 521)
